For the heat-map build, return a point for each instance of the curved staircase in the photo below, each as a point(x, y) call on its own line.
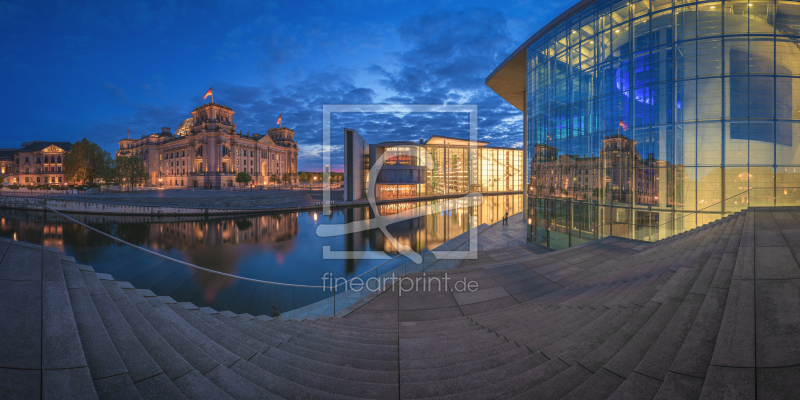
point(710, 313)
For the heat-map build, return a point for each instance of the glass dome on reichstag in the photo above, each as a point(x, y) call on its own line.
point(184, 128)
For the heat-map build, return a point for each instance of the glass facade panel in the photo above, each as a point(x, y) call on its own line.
point(655, 110)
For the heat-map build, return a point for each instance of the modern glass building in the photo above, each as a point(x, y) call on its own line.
point(645, 119)
point(440, 166)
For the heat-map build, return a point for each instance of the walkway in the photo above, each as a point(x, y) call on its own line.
point(709, 313)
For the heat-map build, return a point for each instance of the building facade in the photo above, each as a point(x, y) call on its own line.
point(35, 163)
point(207, 152)
point(656, 116)
point(437, 167)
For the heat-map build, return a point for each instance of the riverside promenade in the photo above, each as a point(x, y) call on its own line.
point(708, 313)
point(168, 202)
point(492, 242)
point(175, 202)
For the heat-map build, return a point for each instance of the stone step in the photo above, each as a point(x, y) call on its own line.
point(64, 368)
point(341, 359)
point(652, 371)
point(333, 370)
point(202, 363)
point(246, 329)
point(193, 384)
point(327, 383)
point(108, 371)
point(465, 383)
point(225, 329)
point(146, 375)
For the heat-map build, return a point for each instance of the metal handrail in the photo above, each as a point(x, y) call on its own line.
point(218, 272)
point(711, 205)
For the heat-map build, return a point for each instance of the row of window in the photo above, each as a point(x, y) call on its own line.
point(47, 159)
point(225, 151)
point(51, 179)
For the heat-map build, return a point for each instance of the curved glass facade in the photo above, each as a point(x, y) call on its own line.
point(639, 112)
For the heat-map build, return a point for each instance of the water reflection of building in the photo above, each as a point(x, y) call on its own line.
point(210, 243)
point(187, 235)
point(439, 166)
point(426, 231)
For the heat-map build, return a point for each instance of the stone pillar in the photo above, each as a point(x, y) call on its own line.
point(257, 162)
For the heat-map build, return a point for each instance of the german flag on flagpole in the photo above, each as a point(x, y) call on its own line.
point(279, 119)
point(209, 93)
point(623, 125)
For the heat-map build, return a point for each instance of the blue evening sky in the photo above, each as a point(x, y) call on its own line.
point(73, 69)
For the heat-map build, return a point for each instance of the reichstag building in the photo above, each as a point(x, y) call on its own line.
point(646, 119)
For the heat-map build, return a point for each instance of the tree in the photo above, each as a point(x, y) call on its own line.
point(243, 177)
point(304, 176)
point(84, 161)
point(274, 178)
point(286, 178)
point(131, 171)
point(326, 177)
point(108, 170)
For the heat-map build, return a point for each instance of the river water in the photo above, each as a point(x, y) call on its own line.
point(278, 247)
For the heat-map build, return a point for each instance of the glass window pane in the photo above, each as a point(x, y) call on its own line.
point(686, 61)
point(709, 189)
point(709, 57)
point(761, 144)
point(787, 183)
point(736, 89)
point(761, 97)
point(641, 34)
point(737, 182)
point(736, 149)
point(787, 58)
point(762, 13)
point(709, 99)
point(661, 4)
point(761, 56)
point(709, 143)
point(685, 188)
point(686, 144)
point(736, 56)
point(709, 19)
point(762, 187)
point(686, 94)
point(787, 18)
point(685, 22)
point(736, 15)
point(787, 149)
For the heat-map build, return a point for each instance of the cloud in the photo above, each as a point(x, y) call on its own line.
point(443, 60)
point(264, 61)
point(116, 92)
